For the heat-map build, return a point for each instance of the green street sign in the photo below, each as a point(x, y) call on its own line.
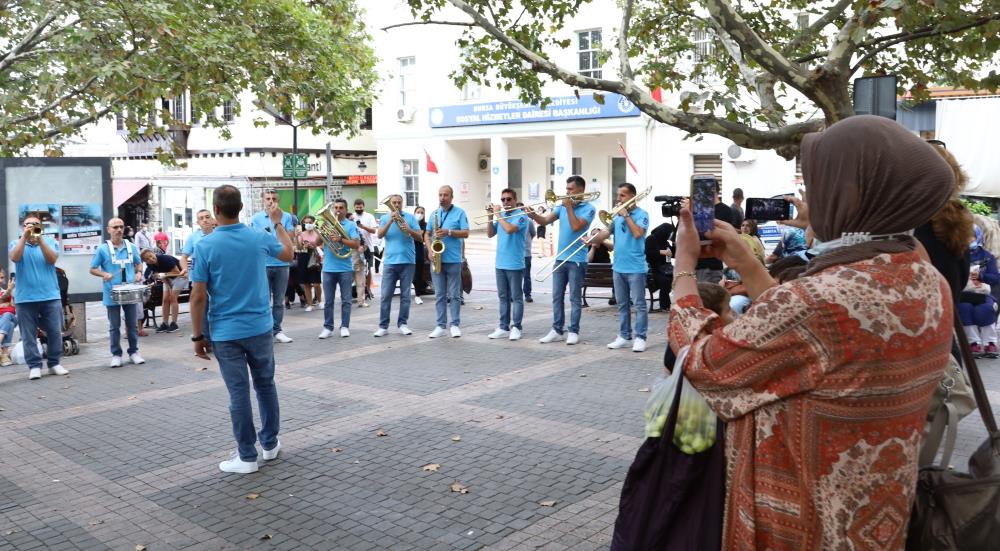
point(294, 165)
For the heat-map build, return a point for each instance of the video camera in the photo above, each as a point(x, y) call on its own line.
point(671, 207)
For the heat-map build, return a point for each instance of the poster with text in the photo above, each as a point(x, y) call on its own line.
point(82, 228)
point(47, 213)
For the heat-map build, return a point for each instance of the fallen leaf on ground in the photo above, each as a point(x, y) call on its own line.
point(65, 387)
point(456, 438)
point(266, 537)
point(644, 389)
point(459, 487)
point(253, 496)
point(477, 307)
point(432, 467)
point(152, 382)
point(336, 450)
point(96, 522)
point(583, 374)
point(132, 398)
point(140, 548)
point(444, 379)
point(202, 369)
point(499, 416)
point(548, 503)
point(381, 432)
point(9, 532)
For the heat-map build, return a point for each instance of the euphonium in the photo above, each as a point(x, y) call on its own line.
point(326, 230)
point(437, 246)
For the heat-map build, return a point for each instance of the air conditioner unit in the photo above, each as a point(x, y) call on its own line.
point(405, 113)
point(484, 163)
point(737, 154)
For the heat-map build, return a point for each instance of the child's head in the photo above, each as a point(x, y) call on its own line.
point(715, 297)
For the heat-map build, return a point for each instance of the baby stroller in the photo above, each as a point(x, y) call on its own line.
point(70, 345)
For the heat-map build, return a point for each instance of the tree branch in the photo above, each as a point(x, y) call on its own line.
point(455, 23)
point(54, 104)
point(848, 40)
point(817, 27)
point(26, 42)
point(626, 66)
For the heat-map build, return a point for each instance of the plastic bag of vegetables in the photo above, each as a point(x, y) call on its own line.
point(661, 397)
point(696, 422)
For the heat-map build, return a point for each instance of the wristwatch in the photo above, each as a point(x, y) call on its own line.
point(198, 338)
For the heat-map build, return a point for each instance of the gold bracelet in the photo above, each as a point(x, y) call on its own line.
point(679, 275)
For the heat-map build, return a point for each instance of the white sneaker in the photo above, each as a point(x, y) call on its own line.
point(281, 337)
point(639, 345)
point(35, 373)
point(116, 361)
point(380, 332)
point(418, 300)
point(136, 358)
point(271, 453)
point(236, 465)
point(551, 337)
point(515, 334)
point(363, 305)
point(572, 338)
point(325, 333)
point(345, 332)
point(309, 308)
point(619, 342)
point(58, 369)
point(455, 331)
point(437, 332)
point(499, 334)
point(405, 330)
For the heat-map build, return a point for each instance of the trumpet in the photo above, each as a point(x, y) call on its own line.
point(437, 247)
point(551, 200)
point(331, 226)
point(394, 212)
point(37, 230)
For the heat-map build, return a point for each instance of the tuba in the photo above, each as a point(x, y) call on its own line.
point(328, 228)
point(437, 246)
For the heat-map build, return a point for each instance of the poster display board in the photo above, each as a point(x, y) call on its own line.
point(72, 196)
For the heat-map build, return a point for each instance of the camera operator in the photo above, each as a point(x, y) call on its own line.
point(39, 304)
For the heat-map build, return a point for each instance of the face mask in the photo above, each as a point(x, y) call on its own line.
point(420, 216)
point(310, 227)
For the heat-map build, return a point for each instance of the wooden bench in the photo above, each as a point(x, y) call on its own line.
point(156, 300)
point(601, 275)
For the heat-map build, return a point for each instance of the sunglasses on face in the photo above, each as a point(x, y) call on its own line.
point(117, 227)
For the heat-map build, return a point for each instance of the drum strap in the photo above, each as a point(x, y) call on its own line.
point(122, 263)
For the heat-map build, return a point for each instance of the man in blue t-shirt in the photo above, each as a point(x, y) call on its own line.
point(452, 227)
point(230, 268)
point(206, 223)
point(508, 224)
point(118, 262)
point(339, 272)
point(574, 219)
point(37, 296)
point(277, 271)
point(630, 269)
point(398, 263)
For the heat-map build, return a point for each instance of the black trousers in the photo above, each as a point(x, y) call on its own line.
point(663, 282)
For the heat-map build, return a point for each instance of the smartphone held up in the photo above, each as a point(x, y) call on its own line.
point(704, 188)
point(766, 209)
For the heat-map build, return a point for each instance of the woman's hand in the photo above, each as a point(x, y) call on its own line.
point(801, 211)
point(688, 244)
point(729, 246)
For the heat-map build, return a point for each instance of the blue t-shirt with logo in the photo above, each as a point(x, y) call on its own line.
point(231, 263)
point(583, 211)
point(36, 278)
point(113, 265)
point(630, 253)
point(188, 249)
point(262, 221)
point(510, 246)
point(451, 219)
point(330, 261)
point(397, 247)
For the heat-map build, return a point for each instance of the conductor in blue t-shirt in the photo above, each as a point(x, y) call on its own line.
point(231, 268)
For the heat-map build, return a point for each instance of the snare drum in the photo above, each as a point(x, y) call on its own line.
point(129, 293)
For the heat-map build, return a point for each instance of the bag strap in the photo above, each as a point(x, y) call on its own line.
point(978, 390)
point(944, 424)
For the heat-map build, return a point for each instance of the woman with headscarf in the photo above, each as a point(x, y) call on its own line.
point(825, 381)
point(977, 307)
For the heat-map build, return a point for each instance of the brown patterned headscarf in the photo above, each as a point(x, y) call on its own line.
point(868, 174)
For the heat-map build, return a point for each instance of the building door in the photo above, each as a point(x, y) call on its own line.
point(514, 176)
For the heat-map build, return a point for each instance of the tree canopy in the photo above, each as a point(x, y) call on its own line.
point(65, 64)
point(768, 72)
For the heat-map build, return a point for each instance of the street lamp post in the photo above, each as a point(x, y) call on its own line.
point(270, 110)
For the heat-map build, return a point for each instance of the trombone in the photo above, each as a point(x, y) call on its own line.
point(606, 218)
point(551, 200)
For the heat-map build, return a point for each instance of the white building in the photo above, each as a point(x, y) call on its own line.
point(483, 140)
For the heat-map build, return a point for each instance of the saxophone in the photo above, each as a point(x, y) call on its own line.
point(437, 246)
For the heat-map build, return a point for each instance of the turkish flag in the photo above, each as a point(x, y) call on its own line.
point(431, 167)
point(657, 94)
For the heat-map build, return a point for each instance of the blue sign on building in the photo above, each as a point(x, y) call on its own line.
point(510, 112)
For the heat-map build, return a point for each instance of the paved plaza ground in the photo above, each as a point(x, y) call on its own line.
point(116, 459)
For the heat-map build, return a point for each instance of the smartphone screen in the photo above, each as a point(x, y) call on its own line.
point(703, 190)
point(768, 209)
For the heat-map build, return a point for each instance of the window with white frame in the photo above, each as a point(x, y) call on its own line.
point(411, 182)
point(802, 21)
point(228, 114)
point(704, 45)
point(178, 108)
point(471, 91)
point(588, 47)
point(407, 79)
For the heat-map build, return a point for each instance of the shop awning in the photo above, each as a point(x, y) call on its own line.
point(123, 190)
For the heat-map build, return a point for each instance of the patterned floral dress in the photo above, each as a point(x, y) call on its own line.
point(824, 383)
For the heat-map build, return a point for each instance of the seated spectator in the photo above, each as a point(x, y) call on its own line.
point(793, 243)
point(598, 253)
point(751, 235)
point(167, 270)
point(8, 317)
point(977, 308)
point(716, 298)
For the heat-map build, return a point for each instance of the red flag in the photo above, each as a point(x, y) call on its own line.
point(657, 94)
point(629, 161)
point(431, 167)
